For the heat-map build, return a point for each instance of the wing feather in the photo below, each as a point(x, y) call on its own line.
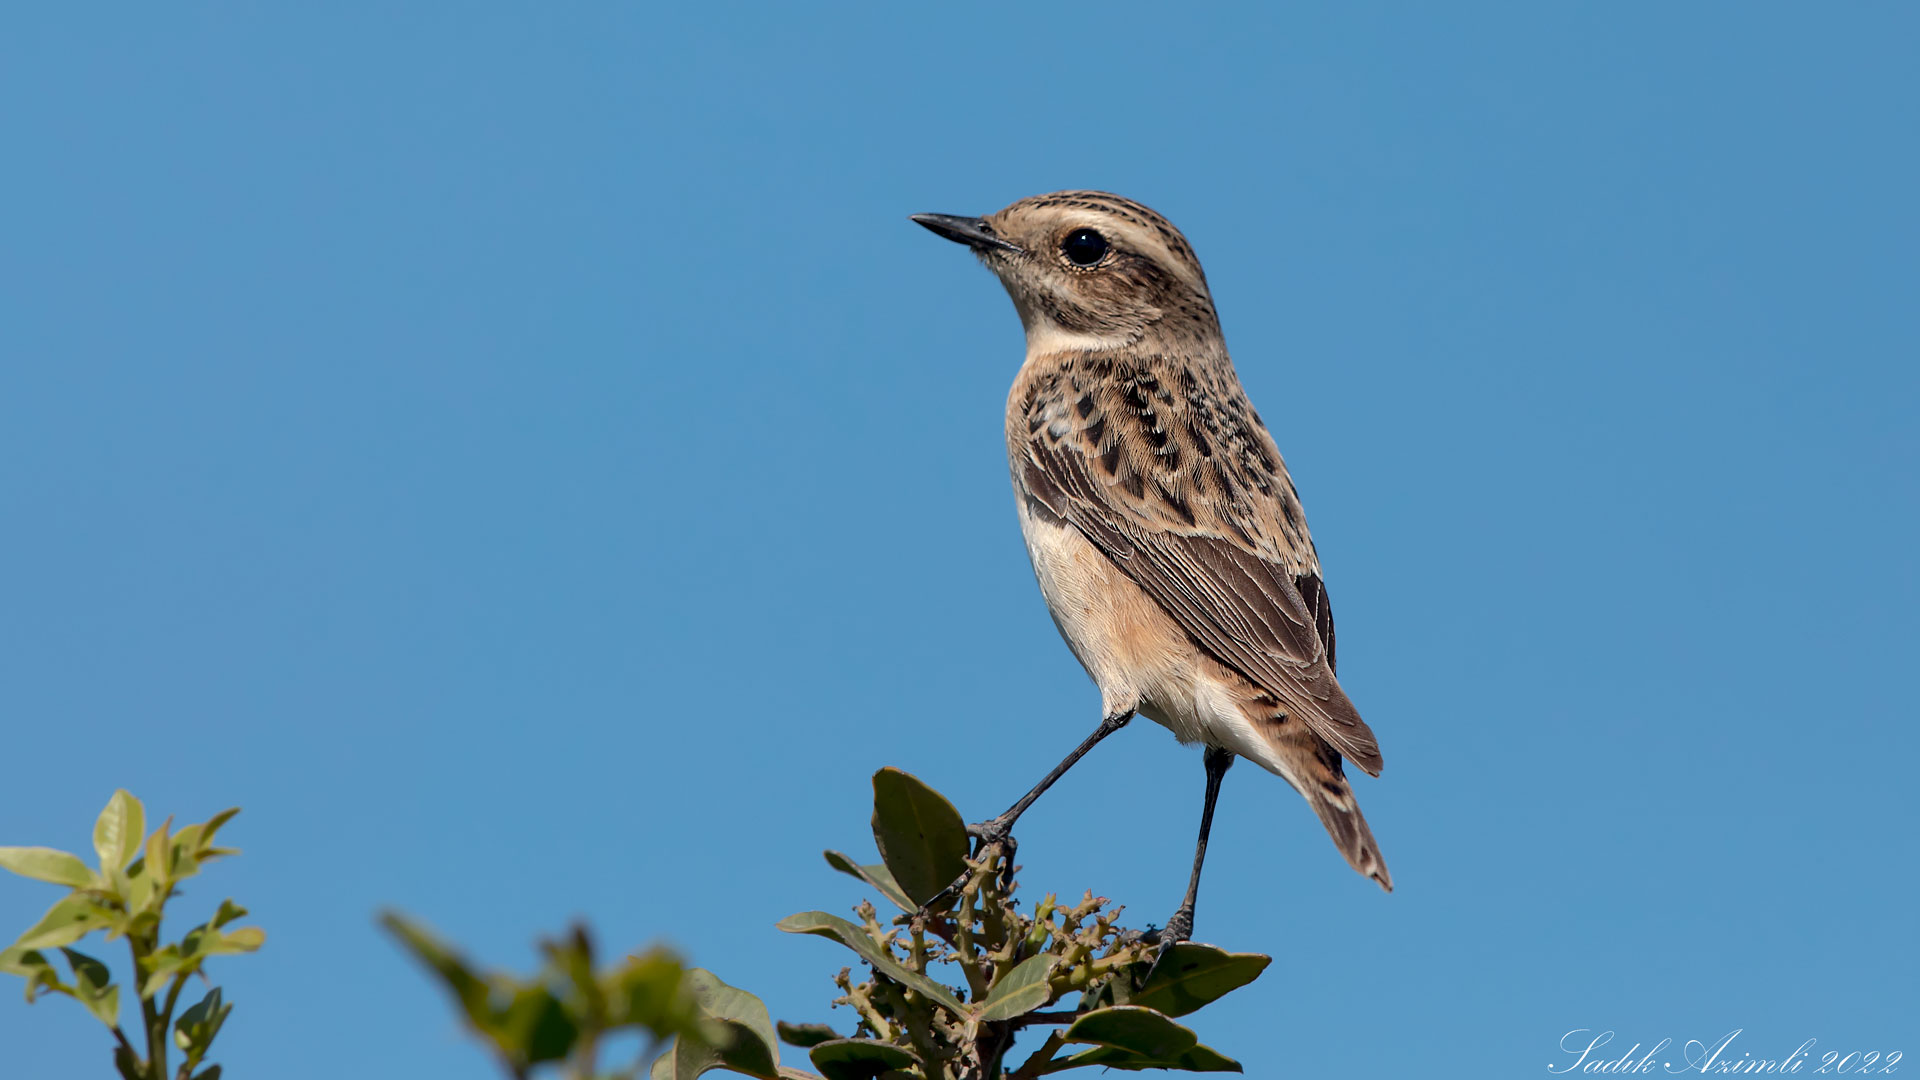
point(1247, 610)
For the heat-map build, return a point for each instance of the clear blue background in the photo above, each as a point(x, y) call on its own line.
point(524, 456)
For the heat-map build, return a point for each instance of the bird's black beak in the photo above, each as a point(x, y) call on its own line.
point(971, 231)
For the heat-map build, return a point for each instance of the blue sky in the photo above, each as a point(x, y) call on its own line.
point(525, 457)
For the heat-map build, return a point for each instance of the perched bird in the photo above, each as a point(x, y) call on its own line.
point(1164, 530)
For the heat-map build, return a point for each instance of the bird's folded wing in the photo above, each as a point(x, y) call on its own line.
point(1246, 611)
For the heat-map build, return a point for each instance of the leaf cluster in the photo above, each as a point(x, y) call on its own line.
point(125, 897)
point(951, 981)
point(566, 1011)
point(958, 917)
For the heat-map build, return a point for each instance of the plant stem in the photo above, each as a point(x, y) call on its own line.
point(588, 1061)
point(1030, 1068)
point(173, 998)
point(149, 1016)
point(963, 938)
point(995, 1040)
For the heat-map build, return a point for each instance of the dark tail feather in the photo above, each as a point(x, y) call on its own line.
point(1348, 827)
point(1330, 714)
point(1314, 768)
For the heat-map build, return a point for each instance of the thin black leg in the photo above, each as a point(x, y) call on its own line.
point(999, 830)
point(1180, 927)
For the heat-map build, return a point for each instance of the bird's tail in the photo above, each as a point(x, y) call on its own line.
point(1333, 801)
point(1314, 769)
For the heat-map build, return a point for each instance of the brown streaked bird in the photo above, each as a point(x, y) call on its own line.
point(1167, 537)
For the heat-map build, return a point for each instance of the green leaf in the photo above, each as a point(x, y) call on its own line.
point(690, 1057)
point(184, 860)
point(190, 955)
point(213, 826)
point(742, 1039)
point(1193, 975)
point(66, 922)
point(162, 966)
point(158, 858)
point(93, 985)
point(1020, 991)
point(754, 1048)
point(571, 958)
point(211, 1072)
point(245, 939)
point(742, 1051)
point(859, 1059)
point(105, 1006)
point(22, 962)
point(119, 830)
point(649, 990)
point(921, 837)
point(1194, 1059)
point(128, 1065)
point(197, 1026)
point(874, 874)
point(36, 969)
point(804, 1035)
point(1132, 1037)
point(146, 922)
point(141, 892)
point(1134, 1029)
point(229, 911)
point(195, 1014)
point(468, 989)
point(853, 937)
point(193, 845)
point(47, 864)
point(536, 1027)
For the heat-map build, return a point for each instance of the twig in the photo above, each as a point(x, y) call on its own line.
point(1030, 1068)
point(156, 1061)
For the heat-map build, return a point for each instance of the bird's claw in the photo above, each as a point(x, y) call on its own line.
point(1178, 929)
point(996, 833)
point(986, 834)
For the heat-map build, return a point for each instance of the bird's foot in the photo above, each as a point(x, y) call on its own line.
point(1179, 928)
point(996, 832)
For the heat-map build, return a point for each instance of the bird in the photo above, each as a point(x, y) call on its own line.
point(1164, 530)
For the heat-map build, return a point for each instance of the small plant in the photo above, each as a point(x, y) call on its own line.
point(126, 897)
point(952, 981)
point(1012, 966)
point(564, 1013)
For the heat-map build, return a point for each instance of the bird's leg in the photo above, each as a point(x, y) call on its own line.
point(999, 830)
point(1180, 927)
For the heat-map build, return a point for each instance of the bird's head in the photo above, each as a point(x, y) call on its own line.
point(1090, 271)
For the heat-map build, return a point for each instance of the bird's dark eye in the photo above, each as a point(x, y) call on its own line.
point(1084, 247)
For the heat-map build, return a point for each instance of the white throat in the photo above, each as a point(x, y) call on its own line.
point(1044, 337)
